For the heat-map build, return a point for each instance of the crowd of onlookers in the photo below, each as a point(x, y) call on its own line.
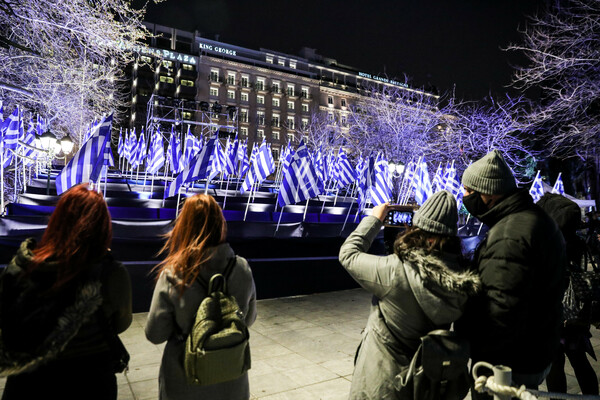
point(64, 300)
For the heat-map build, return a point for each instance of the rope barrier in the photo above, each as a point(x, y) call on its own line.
point(488, 384)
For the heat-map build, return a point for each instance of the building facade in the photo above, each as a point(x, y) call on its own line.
point(183, 80)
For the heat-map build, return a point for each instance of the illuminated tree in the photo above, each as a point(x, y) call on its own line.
point(66, 58)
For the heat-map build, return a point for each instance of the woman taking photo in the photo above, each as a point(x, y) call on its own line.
point(419, 288)
point(196, 249)
point(62, 302)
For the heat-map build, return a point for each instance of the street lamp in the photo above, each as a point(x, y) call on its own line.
point(49, 144)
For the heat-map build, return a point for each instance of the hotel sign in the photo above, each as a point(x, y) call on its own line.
point(166, 54)
point(380, 79)
point(217, 49)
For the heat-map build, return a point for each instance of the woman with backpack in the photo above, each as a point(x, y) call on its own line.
point(62, 303)
point(195, 250)
point(420, 288)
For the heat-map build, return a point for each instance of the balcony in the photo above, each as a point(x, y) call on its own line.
point(187, 74)
point(259, 86)
point(276, 90)
point(275, 123)
point(215, 79)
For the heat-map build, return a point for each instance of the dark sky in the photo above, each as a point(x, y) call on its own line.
point(434, 42)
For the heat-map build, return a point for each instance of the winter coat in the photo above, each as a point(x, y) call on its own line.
point(62, 329)
point(172, 316)
point(515, 320)
point(414, 293)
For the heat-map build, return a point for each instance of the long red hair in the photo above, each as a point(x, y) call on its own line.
point(199, 228)
point(79, 232)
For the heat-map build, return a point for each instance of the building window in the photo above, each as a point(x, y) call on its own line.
point(275, 120)
point(275, 151)
point(330, 100)
point(187, 67)
point(214, 75)
point(290, 122)
point(304, 92)
point(293, 64)
point(260, 116)
point(166, 79)
point(245, 81)
point(260, 133)
point(344, 121)
point(275, 102)
point(275, 135)
point(231, 78)
point(304, 107)
point(244, 115)
point(147, 60)
point(186, 115)
point(290, 89)
point(260, 83)
point(185, 82)
point(167, 64)
point(260, 99)
point(214, 92)
point(244, 96)
point(231, 94)
point(244, 131)
point(269, 59)
point(290, 137)
point(343, 101)
point(330, 118)
point(275, 87)
point(304, 123)
point(290, 105)
point(281, 61)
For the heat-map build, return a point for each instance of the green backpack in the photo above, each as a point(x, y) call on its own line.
point(217, 349)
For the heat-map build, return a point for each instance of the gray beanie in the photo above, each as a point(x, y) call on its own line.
point(489, 175)
point(438, 214)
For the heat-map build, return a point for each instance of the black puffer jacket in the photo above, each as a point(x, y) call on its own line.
point(515, 320)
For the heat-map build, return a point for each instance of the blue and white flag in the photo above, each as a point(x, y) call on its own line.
point(130, 147)
point(120, 145)
point(300, 181)
point(365, 170)
point(288, 153)
point(192, 147)
point(262, 166)
point(537, 188)
point(156, 156)
point(30, 140)
point(344, 173)
point(243, 158)
point(231, 156)
point(453, 185)
point(217, 164)
point(381, 189)
point(559, 187)
point(140, 151)
point(198, 168)
point(438, 179)
point(423, 188)
point(87, 163)
point(10, 133)
point(174, 153)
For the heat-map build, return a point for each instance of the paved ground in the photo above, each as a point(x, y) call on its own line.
point(302, 348)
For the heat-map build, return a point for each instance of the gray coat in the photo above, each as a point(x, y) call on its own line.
point(414, 293)
point(171, 317)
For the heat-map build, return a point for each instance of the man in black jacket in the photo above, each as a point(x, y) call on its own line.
point(515, 321)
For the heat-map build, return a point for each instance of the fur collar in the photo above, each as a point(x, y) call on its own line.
point(442, 270)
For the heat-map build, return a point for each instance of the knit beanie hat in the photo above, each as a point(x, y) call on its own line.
point(489, 175)
point(438, 214)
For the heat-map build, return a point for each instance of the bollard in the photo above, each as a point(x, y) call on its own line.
point(502, 376)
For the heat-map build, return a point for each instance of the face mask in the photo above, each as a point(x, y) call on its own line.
point(475, 205)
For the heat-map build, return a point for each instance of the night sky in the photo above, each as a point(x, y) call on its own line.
point(439, 43)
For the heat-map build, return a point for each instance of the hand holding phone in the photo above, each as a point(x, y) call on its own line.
point(399, 216)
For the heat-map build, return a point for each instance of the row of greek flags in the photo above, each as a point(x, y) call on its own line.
point(13, 135)
point(537, 187)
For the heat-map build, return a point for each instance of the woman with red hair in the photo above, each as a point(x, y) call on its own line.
point(196, 249)
point(62, 303)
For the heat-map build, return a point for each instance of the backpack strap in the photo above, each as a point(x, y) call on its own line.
point(214, 278)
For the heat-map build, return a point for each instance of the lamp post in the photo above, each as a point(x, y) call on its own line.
point(49, 143)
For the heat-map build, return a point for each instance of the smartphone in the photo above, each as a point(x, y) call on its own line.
point(399, 216)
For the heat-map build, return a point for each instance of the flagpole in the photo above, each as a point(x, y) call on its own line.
point(305, 209)
point(105, 179)
point(177, 205)
point(279, 220)
point(226, 190)
point(2, 178)
point(248, 202)
point(152, 186)
point(347, 215)
point(165, 177)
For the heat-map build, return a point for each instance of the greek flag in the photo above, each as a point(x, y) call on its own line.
point(156, 156)
point(140, 150)
point(230, 156)
point(87, 163)
point(30, 140)
point(120, 145)
point(174, 153)
point(453, 185)
point(262, 166)
point(423, 188)
point(537, 188)
point(198, 168)
point(109, 159)
point(438, 179)
point(381, 188)
point(286, 157)
point(300, 181)
point(345, 174)
point(192, 146)
point(365, 170)
point(242, 156)
point(558, 187)
point(10, 132)
point(217, 164)
point(320, 164)
point(131, 147)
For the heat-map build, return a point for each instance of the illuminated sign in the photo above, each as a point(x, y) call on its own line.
point(380, 79)
point(217, 49)
point(166, 54)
